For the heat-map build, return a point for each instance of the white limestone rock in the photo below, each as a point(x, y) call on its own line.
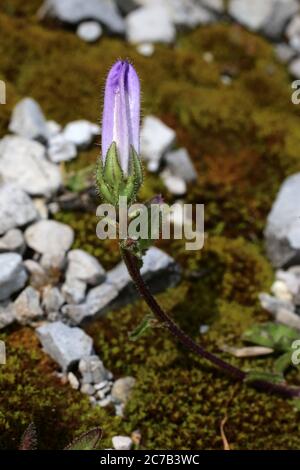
point(49, 237)
point(66, 345)
point(23, 162)
point(12, 274)
point(156, 139)
point(16, 208)
point(28, 120)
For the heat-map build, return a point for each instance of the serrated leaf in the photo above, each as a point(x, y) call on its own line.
point(87, 441)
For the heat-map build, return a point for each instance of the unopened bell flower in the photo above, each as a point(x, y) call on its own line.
point(120, 171)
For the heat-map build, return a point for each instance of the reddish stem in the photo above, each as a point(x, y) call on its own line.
point(189, 343)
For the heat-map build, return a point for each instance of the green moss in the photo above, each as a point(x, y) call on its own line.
point(244, 140)
point(31, 392)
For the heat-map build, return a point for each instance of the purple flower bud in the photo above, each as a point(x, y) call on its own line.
point(121, 114)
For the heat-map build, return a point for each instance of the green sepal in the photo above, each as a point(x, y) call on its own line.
point(105, 191)
point(111, 181)
point(112, 173)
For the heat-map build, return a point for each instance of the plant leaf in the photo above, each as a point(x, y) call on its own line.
point(254, 375)
point(86, 441)
point(272, 335)
point(142, 328)
point(282, 363)
point(29, 438)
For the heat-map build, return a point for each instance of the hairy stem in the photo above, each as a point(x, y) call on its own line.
point(189, 343)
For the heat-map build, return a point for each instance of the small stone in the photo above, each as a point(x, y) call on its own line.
point(101, 385)
point(76, 11)
point(7, 314)
point(85, 267)
point(53, 262)
point(49, 236)
point(253, 14)
point(122, 442)
point(53, 208)
point(156, 140)
point(92, 370)
point(38, 277)
point(88, 389)
point(105, 402)
point(281, 292)
point(294, 66)
point(273, 305)
point(100, 297)
point(89, 31)
point(101, 394)
point(12, 274)
point(282, 12)
point(16, 208)
point(41, 207)
point(284, 52)
point(283, 225)
point(146, 49)
point(13, 240)
point(180, 164)
point(286, 317)
point(226, 79)
point(119, 409)
point(174, 184)
point(216, 5)
point(23, 162)
point(203, 329)
point(151, 23)
point(63, 343)
point(122, 389)
point(28, 120)
point(74, 290)
point(53, 128)
point(188, 13)
point(81, 133)
point(208, 57)
point(293, 33)
point(282, 311)
point(60, 149)
point(27, 306)
point(52, 299)
point(73, 381)
point(290, 280)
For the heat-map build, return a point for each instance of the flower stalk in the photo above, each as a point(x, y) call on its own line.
point(120, 173)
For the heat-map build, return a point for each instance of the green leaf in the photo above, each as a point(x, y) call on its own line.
point(87, 441)
point(254, 376)
point(282, 363)
point(142, 328)
point(272, 335)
